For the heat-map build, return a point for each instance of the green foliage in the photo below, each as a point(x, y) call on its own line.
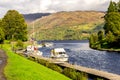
point(14, 26)
point(76, 25)
point(93, 40)
point(74, 75)
point(112, 26)
point(6, 42)
point(100, 35)
point(112, 7)
point(19, 68)
point(68, 33)
point(2, 36)
point(19, 44)
point(69, 72)
point(112, 23)
point(111, 39)
point(55, 67)
point(100, 79)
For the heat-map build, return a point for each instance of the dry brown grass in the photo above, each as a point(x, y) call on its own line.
point(68, 19)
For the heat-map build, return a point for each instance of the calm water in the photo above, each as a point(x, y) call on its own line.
point(80, 54)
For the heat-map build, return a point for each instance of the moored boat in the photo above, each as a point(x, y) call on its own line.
point(59, 54)
point(33, 50)
point(47, 44)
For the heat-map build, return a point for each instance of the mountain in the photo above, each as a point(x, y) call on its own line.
point(34, 16)
point(67, 25)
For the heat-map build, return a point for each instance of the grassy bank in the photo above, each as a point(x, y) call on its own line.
point(19, 68)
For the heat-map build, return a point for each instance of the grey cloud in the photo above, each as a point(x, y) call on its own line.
point(33, 6)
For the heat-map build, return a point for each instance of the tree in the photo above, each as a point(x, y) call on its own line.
point(110, 38)
point(2, 35)
point(93, 40)
point(100, 35)
point(111, 28)
point(15, 26)
point(112, 23)
point(112, 7)
point(118, 6)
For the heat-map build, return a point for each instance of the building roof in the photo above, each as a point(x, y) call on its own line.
point(59, 50)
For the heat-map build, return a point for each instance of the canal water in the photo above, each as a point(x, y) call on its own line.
point(80, 54)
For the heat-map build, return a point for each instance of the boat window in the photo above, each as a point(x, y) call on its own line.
point(61, 52)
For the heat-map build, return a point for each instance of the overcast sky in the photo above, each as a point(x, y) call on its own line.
point(34, 6)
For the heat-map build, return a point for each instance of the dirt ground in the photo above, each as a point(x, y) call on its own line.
point(3, 61)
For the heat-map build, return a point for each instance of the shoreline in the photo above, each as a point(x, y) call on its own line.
point(108, 50)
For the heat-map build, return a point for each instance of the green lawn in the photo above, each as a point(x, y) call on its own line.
point(19, 68)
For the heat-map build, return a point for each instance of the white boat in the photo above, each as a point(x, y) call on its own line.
point(39, 46)
point(33, 50)
point(47, 44)
point(59, 54)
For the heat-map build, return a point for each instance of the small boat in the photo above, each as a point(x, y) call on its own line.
point(39, 46)
point(59, 54)
point(47, 44)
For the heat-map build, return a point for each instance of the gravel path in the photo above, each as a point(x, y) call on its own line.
point(3, 61)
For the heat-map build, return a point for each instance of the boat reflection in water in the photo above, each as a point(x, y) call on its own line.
point(59, 54)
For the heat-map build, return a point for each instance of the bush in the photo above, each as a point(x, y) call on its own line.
point(69, 72)
point(74, 74)
point(19, 44)
point(82, 76)
point(43, 62)
point(6, 42)
point(55, 67)
point(99, 79)
point(31, 58)
point(50, 65)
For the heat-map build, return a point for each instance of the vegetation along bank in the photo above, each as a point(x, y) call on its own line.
point(109, 38)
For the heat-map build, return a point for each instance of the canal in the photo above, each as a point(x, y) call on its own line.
point(80, 54)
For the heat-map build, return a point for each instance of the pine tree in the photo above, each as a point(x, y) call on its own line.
point(100, 36)
point(112, 7)
point(118, 6)
point(112, 24)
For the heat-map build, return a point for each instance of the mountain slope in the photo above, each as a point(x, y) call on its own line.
point(67, 25)
point(34, 16)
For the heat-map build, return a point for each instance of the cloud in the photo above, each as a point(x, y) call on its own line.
point(34, 6)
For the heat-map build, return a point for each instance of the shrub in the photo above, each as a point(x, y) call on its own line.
point(70, 73)
point(82, 76)
point(99, 79)
point(6, 42)
point(55, 67)
point(43, 62)
point(31, 58)
point(19, 44)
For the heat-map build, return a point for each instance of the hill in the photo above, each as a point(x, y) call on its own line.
point(67, 25)
point(34, 16)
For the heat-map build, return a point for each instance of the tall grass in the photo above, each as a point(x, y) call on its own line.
point(19, 68)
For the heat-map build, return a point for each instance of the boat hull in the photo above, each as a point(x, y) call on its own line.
point(61, 59)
